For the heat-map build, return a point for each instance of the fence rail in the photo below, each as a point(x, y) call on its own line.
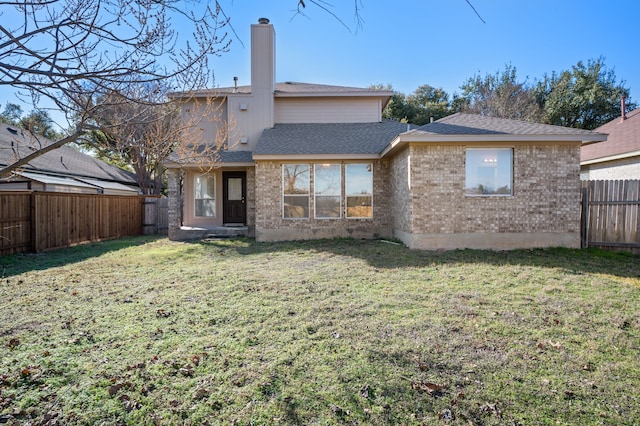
point(38, 221)
point(611, 214)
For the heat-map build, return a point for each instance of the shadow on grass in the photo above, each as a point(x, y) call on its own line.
point(388, 255)
point(379, 254)
point(19, 263)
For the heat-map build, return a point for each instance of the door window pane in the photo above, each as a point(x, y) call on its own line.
point(234, 189)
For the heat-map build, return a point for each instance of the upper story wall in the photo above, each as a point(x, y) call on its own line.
point(328, 110)
point(204, 120)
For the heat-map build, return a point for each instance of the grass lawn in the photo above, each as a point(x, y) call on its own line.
point(148, 331)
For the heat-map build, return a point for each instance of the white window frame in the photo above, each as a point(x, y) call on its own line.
point(492, 160)
point(211, 201)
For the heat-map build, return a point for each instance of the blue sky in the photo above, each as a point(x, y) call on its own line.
point(437, 42)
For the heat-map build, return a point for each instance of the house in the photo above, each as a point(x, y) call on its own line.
point(313, 161)
point(63, 169)
point(619, 156)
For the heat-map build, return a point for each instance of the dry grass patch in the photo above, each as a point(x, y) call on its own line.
point(147, 331)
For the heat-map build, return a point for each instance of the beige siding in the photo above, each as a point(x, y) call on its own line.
point(247, 120)
point(189, 217)
point(202, 119)
point(623, 169)
point(328, 110)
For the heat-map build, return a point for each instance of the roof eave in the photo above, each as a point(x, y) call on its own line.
point(422, 137)
point(611, 158)
point(296, 157)
point(204, 164)
point(353, 94)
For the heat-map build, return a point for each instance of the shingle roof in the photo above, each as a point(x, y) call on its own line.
point(624, 137)
point(473, 124)
point(328, 138)
point(236, 156)
point(202, 155)
point(16, 143)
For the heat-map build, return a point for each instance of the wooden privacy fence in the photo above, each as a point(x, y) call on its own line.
point(156, 215)
point(611, 214)
point(37, 221)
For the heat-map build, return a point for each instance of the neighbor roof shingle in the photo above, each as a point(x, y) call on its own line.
point(624, 137)
point(328, 138)
point(16, 143)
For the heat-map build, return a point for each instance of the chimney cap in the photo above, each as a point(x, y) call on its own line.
point(263, 21)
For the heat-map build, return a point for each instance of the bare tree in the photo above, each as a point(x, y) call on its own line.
point(144, 133)
point(77, 53)
point(500, 95)
point(357, 9)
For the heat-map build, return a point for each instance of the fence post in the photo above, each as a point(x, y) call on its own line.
point(584, 242)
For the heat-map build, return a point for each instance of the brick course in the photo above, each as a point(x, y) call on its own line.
point(270, 225)
point(546, 193)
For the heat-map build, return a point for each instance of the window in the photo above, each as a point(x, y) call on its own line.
point(295, 189)
point(359, 190)
point(205, 195)
point(328, 190)
point(489, 171)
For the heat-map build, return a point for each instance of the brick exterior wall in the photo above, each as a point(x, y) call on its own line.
point(250, 200)
point(400, 195)
point(545, 201)
point(175, 203)
point(419, 197)
point(270, 225)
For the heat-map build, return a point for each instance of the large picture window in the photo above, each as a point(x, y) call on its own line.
point(489, 171)
point(327, 181)
point(205, 195)
point(359, 190)
point(295, 189)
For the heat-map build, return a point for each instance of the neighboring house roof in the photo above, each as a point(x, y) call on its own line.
point(342, 139)
point(623, 140)
point(292, 89)
point(16, 143)
point(479, 128)
point(56, 180)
